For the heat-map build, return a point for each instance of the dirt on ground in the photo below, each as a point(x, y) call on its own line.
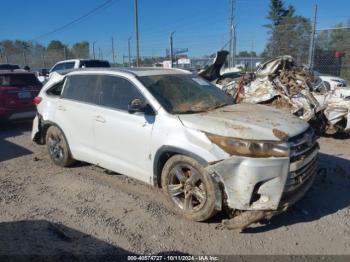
point(48, 210)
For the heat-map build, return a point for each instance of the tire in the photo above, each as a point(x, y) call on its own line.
point(189, 189)
point(58, 148)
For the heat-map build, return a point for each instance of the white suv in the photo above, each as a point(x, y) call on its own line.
point(172, 129)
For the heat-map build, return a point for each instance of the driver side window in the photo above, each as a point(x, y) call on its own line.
point(117, 92)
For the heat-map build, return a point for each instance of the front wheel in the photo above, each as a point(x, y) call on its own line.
point(189, 189)
point(57, 147)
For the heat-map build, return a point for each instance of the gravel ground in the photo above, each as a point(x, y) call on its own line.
point(45, 209)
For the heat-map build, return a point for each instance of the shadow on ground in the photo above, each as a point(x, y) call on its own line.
point(9, 150)
point(42, 240)
point(328, 195)
point(41, 237)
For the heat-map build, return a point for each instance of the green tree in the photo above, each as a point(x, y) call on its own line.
point(290, 34)
point(55, 45)
point(80, 49)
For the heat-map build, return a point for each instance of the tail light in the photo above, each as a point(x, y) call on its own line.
point(37, 100)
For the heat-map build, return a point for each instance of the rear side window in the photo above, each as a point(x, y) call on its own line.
point(8, 67)
point(117, 92)
point(56, 90)
point(94, 63)
point(19, 80)
point(82, 88)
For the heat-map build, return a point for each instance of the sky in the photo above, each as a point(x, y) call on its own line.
point(202, 26)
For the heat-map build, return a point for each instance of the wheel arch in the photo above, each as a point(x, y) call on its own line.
point(44, 126)
point(163, 154)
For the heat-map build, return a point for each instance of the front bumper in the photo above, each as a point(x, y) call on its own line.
point(269, 184)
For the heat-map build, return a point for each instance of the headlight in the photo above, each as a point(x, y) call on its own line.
point(249, 148)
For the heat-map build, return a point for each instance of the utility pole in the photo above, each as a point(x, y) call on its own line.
point(129, 51)
point(251, 57)
point(43, 59)
point(232, 35)
point(137, 34)
point(65, 52)
point(113, 54)
point(93, 49)
point(100, 54)
point(24, 58)
point(312, 41)
point(171, 49)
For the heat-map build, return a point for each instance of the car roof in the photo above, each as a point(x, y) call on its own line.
point(79, 59)
point(15, 71)
point(136, 71)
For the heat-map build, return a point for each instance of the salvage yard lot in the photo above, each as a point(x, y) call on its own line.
point(46, 209)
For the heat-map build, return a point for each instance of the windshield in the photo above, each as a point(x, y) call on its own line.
point(180, 94)
point(19, 80)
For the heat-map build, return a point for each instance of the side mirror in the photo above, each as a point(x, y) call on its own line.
point(136, 105)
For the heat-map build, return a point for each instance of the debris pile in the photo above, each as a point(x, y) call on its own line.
point(281, 83)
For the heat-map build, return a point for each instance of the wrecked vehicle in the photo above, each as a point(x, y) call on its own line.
point(172, 129)
point(281, 83)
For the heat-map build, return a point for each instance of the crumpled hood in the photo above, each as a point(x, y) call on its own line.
point(246, 121)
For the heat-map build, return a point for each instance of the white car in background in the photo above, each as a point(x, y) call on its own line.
point(78, 63)
point(332, 82)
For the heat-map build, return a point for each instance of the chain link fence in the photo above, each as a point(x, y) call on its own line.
point(37, 56)
point(332, 52)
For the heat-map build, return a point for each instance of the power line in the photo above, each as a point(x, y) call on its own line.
point(104, 4)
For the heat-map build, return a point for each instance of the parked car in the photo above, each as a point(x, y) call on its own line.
point(9, 67)
point(42, 74)
point(78, 63)
point(172, 129)
point(17, 90)
point(332, 82)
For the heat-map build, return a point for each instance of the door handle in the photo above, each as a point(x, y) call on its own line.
point(62, 108)
point(100, 119)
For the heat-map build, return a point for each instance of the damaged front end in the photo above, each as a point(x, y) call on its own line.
point(264, 182)
point(281, 83)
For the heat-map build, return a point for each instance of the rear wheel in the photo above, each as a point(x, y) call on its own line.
point(189, 189)
point(57, 147)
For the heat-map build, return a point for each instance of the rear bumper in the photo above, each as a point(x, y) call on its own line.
point(14, 113)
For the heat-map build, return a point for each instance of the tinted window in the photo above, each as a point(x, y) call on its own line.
point(58, 67)
point(69, 65)
point(19, 80)
point(117, 92)
point(8, 67)
point(94, 63)
point(81, 88)
point(56, 90)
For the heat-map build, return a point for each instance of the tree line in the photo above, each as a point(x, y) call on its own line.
point(290, 34)
point(39, 56)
